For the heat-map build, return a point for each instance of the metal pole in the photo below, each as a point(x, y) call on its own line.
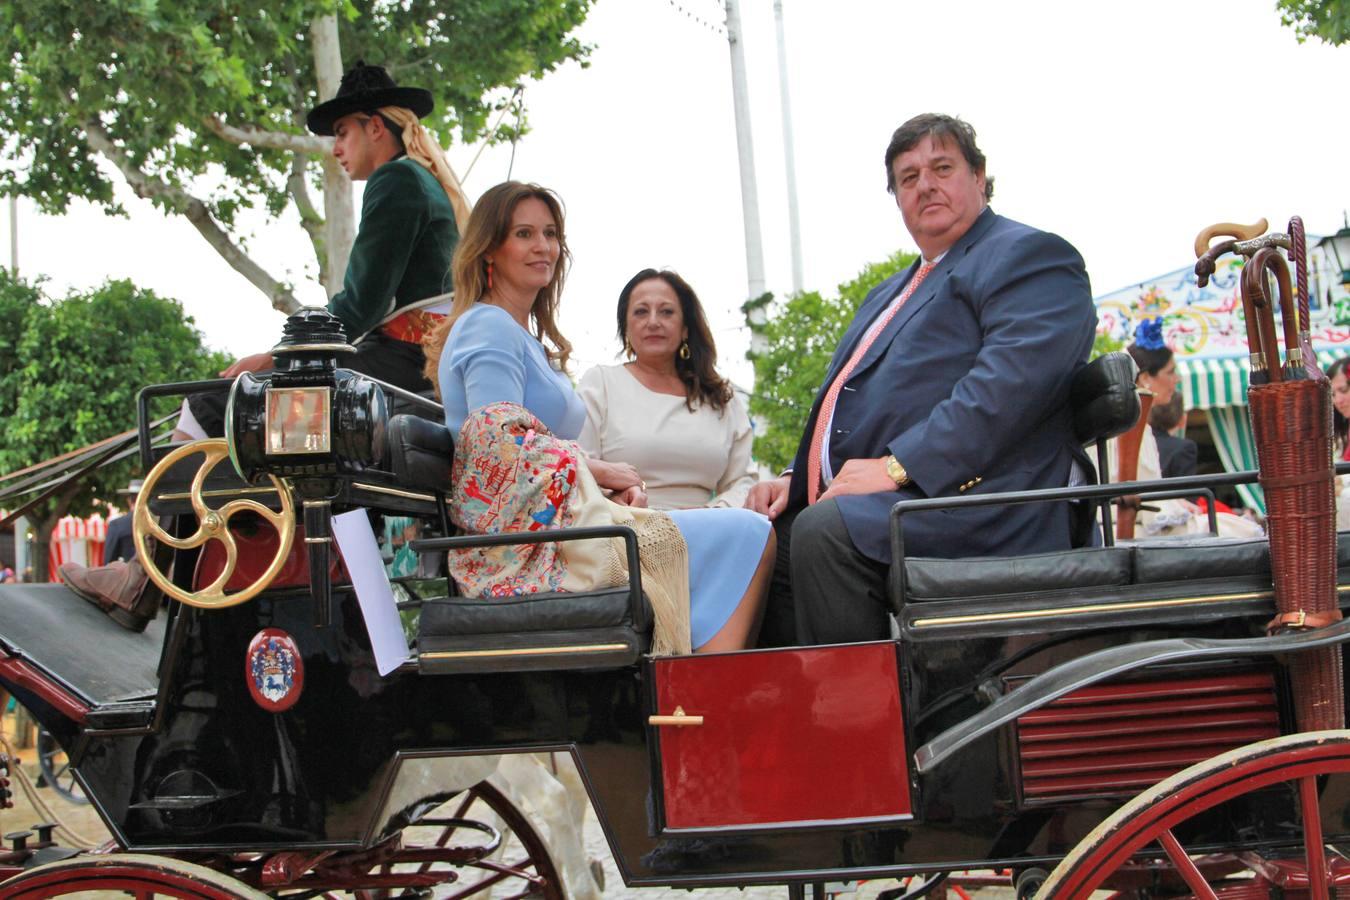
point(789, 163)
point(740, 95)
point(13, 235)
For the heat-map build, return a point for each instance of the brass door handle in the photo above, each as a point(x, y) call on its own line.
point(678, 719)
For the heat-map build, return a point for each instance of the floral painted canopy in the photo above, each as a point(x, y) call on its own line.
point(1206, 329)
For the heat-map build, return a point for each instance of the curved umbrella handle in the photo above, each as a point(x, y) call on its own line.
point(1298, 253)
point(1260, 372)
point(1227, 229)
point(1253, 285)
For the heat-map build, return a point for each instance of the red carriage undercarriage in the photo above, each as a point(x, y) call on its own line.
point(1116, 714)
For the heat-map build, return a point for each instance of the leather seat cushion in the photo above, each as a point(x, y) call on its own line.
point(420, 452)
point(551, 612)
point(933, 579)
point(1103, 398)
point(1188, 559)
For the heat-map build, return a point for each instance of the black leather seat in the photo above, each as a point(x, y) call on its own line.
point(420, 452)
point(601, 629)
point(1103, 398)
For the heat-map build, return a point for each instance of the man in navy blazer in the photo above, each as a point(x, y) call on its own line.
point(963, 389)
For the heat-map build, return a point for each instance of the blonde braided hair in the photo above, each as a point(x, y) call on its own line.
point(419, 145)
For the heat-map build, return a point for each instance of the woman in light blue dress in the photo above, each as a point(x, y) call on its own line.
point(500, 342)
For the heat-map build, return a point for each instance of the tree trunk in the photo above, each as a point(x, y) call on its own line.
point(42, 549)
point(337, 187)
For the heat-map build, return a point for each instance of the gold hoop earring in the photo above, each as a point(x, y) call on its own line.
point(628, 346)
point(684, 350)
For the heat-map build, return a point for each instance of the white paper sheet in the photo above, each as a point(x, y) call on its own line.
point(361, 553)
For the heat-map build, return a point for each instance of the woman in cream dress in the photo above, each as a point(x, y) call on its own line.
point(667, 412)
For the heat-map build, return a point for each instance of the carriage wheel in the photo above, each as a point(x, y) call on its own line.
point(55, 768)
point(520, 867)
point(1149, 819)
point(120, 874)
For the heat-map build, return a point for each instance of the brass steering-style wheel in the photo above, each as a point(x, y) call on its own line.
point(212, 524)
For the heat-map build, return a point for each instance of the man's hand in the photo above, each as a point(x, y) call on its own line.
point(633, 496)
point(860, 476)
point(616, 477)
point(256, 362)
point(769, 497)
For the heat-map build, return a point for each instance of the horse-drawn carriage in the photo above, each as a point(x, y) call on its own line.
point(1116, 713)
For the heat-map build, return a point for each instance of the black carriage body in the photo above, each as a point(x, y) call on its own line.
point(181, 758)
point(207, 769)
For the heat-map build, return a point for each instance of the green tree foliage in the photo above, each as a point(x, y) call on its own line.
point(69, 373)
point(199, 104)
point(802, 335)
point(1103, 344)
point(1325, 19)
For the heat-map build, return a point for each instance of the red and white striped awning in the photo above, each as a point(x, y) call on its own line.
point(76, 540)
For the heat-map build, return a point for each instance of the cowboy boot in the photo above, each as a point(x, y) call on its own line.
point(121, 589)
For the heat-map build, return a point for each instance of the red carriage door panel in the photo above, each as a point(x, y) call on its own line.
point(799, 736)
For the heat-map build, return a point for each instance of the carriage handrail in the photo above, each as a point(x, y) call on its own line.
point(403, 393)
point(471, 541)
point(146, 394)
point(1103, 664)
point(1184, 486)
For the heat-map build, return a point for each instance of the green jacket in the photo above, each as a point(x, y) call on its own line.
point(403, 246)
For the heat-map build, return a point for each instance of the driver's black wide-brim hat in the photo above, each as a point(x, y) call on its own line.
point(366, 89)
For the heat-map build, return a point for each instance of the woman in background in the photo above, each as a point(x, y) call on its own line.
point(667, 412)
point(1158, 375)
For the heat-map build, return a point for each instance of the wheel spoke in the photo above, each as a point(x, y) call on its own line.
point(214, 453)
point(234, 506)
point(217, 587)
point(1186, 866)
point(1297, 761)
point(1311, 810)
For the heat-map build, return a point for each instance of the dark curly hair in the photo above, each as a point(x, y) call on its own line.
point(1149, 361)
point(702, 384)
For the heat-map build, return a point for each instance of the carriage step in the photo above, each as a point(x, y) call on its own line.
point(134, 714)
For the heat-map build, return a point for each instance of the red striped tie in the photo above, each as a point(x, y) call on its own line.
point(832, 395)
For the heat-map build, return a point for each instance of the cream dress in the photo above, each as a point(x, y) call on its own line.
point(1173, 517)
point(688, 459)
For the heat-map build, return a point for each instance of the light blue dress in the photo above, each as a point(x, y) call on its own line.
point(489, 358)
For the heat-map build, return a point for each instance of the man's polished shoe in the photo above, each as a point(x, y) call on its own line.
point(121, 589)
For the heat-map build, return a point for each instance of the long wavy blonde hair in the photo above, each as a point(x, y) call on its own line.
point(488, 226)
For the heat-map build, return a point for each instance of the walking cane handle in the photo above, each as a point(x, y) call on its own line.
point(1230, 230)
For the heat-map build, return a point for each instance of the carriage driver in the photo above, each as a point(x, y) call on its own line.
point(399, 267)
point(953, 378)
point(396, 276)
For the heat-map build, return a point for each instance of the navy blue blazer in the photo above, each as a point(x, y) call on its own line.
point(968, 386)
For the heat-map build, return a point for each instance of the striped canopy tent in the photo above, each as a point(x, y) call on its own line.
point(1206, 329)
point(76, 540)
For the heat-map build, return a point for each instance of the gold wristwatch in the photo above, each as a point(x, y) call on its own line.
point(896, 471)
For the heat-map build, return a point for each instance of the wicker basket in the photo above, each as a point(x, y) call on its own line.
point(1291, 426)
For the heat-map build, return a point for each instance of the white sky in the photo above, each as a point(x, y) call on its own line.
point(1125, 127)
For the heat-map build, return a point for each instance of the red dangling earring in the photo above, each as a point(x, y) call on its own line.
point(489, 274)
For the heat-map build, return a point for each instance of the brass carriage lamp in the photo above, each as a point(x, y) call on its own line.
point(1337, 248)
point(310, 422)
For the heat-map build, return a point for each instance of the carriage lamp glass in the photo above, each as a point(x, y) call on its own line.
point(298, 420)
point(1337, 250)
